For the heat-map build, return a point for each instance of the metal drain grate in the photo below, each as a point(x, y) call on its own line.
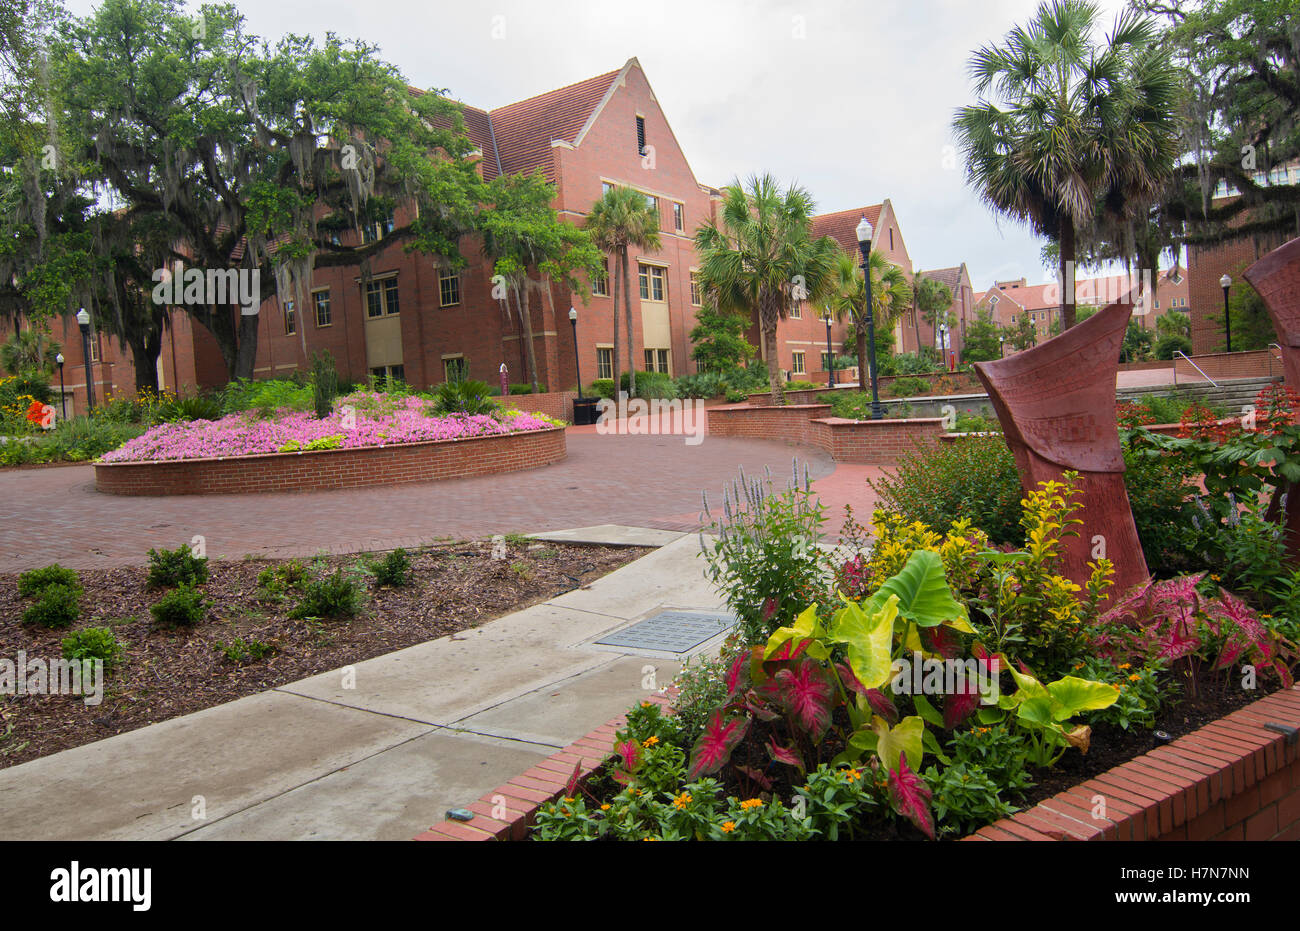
point(670, 631)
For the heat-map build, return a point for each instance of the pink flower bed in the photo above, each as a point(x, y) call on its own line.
point(373, 421)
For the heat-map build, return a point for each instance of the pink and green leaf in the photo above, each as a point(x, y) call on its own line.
point(714, 748)
point(911, 797)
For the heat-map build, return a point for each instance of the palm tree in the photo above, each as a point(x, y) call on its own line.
point(931, 300)
point(762, 258)
point(891, 295)
point(620, 219)
point(1081, 123)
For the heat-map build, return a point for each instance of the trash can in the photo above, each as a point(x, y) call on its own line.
point(584, 411)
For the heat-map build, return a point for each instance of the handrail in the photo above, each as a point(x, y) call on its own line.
point(1179, 352)
point(1270, 357)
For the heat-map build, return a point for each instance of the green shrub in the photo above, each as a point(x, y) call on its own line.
point(601, 388)
point(1160, 493)
point(25, 383)
point(974, 477)
point(324, 384)
point(176, 567)
point(651, 385)
point(274, 581)
point(267, 397)
point(908, 387)
point(198, 407)
point(800, 385)
point(34, 582)
point(336, 595)
point(463, 396)
point(243, 651)
point(703, 385)
point(523, 389)
point(737, 396)
point(976, 423)
point(393, 569)
point(93, 643)
point(764, 558)
point(183, 606)
point(57, 606)
point(78, 439)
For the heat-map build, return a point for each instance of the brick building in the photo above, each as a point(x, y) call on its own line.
point(1010, 300)
point(418, 320)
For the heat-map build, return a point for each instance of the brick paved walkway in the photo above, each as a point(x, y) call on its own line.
point(55, 515)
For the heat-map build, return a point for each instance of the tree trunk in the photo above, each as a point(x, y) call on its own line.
point(627, 315)
point(246, 358)
point(614, 368)
point(144, 356)
point(527, 317)
point(768, 317)
point(916, 317)
point(1067, 273)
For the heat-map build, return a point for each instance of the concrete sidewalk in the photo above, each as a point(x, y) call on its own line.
point(382, 749)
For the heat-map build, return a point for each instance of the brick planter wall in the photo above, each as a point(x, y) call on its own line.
point(1228, 365)
point(873, 442)
point(557, 404)
point(1234, 779)
point(336, 468)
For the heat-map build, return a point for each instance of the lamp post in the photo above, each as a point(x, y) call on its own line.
point(63, 397)
point(577, 361)
point(830, 358)
point(864, 232)
point(83, 321)
point(1002, 349)
point(1226, 282)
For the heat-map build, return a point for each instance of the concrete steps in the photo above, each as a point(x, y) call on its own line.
point(1232, 394)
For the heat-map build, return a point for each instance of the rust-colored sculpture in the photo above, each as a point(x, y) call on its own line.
point(1277, 279)
point(1056, 403)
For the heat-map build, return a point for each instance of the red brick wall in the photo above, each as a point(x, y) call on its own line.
point(340, 468)
point(558, 404)
point(1205, 266)
point(1234, 779)
point(877, 442)
point(1260, 363)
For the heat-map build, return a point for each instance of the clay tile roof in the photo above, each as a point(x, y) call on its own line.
point(524, 130)
point(949, 276)
point(842, 226)
point(478, 126)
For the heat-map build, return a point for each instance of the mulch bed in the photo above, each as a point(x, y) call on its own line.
point(167, 673)
point(1110, 747)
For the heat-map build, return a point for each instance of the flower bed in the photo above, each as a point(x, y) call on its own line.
point(369, 440)
point(360, 420)
point(915, 684)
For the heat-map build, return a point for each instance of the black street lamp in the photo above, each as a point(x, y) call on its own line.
point(864, 232)
point(1002, 349)
point(83, 321)
point(830, 358)
point(577, 361)
point(63, 396)
point(1225, 282)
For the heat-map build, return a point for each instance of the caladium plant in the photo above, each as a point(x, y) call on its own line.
point(910, 796)
point(1044, 712)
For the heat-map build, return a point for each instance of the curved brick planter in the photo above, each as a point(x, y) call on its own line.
point(1235, 779)
point(336, 468)
point(874, 442)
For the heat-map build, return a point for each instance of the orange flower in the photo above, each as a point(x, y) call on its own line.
point(728, 827)
point(682, 801)
point(650, 741)
point(751, 803)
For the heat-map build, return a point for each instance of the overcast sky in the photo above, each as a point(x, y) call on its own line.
point(851, 98)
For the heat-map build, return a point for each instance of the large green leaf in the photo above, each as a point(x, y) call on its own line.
point(805, 627)
point(869, 639)
point(921, 587)
point(1071, 695)
point(905, 737)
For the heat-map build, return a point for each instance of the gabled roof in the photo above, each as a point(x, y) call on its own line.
point(524, 130)
point(842, 226)
point(949, 276)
